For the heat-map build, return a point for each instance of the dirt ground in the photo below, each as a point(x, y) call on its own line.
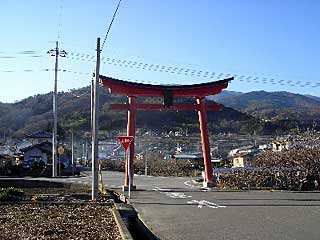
point(57, 213)
point(57, 221)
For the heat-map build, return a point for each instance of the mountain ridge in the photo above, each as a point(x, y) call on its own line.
point(275, 105)
point(243, 113)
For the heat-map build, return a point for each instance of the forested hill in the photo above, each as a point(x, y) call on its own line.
point(35, 114)
point(275, 105)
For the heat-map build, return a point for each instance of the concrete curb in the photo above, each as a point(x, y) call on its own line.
point(147, 232)
point(129, 212)
point(124, 232)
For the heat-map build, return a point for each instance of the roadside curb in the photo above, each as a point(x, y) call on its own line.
point(124, 231)
point(133, 219)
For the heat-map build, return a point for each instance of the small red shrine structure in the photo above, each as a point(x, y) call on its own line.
point(134, 90)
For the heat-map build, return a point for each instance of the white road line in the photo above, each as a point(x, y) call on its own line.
point(162, 189)
point(204, 203)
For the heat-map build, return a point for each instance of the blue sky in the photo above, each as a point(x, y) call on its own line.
point(272, 41)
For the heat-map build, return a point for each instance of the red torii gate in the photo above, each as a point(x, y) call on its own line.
point(134, 90)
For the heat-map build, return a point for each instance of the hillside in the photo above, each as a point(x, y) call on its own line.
point(241, 114)
point(224, 95)
point(275, 105)
point(35, 113)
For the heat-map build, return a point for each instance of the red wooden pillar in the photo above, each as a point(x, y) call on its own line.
point(205, 142)
point(131, 131)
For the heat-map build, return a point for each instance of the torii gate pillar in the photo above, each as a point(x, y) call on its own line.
point(131, 131)
point(208, 181)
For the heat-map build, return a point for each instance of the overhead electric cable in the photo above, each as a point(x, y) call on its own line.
point(195, 72)
point(110, 25)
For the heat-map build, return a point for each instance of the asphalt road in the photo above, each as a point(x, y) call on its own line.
point(174, 208)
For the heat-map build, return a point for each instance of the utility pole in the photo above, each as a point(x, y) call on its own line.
point(87, 152)
point(146, 163)
point(72, 152)
point(95, 127)
point(83, 154)
point(55, 53)
point(72, 148)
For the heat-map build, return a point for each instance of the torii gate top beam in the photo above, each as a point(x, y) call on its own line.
point(148, 90)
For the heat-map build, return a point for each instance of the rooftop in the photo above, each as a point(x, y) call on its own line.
point(40, 134)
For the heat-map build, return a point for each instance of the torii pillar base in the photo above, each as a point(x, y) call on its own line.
point(209, 184)
point(126, 188)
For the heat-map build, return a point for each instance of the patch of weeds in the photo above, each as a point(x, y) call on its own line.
point(10, 193)
point(38, 198)
point(226, 187)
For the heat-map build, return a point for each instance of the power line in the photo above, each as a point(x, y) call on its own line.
point(24, 53)
point(110, 25)
point(192, 72)
point(241, 78)
point(183, 71)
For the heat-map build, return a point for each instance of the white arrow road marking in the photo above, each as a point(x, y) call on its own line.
point(169, 193)
point(177, 195)
point(187, 183)
point(204, 203)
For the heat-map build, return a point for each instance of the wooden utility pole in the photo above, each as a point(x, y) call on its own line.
point(72, 152)
point(55, 115)
point(95, 128)
point(146, 162)
point(55, 53)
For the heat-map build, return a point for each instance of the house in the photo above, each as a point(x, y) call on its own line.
point(118, 152)
point(195, 159)
point(242, 160)
point(105, 149)
point(6, 160)
point(7, 150)
point(245, 149)
point(39, 137)
point(188, 156)
point(216, 162)
point(36, 153)
point(278, 146)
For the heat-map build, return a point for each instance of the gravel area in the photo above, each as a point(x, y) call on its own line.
point(57, 221)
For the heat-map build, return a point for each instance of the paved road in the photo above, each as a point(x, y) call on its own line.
point(173, 209)
point(115, 180)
